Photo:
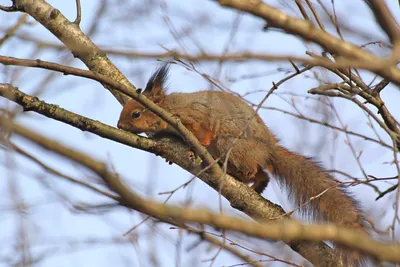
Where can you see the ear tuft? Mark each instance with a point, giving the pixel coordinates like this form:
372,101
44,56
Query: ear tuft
155,87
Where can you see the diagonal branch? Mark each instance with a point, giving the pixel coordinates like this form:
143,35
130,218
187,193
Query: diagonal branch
237,193
286,230
385,19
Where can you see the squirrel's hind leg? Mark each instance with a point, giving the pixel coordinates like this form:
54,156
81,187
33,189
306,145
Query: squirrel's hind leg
261,181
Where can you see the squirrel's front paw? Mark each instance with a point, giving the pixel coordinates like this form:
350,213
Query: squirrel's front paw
191,155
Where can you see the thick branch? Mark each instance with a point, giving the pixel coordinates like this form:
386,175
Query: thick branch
385,19
286,230
238,194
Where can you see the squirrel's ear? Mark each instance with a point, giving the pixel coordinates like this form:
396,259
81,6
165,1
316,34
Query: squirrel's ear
155,88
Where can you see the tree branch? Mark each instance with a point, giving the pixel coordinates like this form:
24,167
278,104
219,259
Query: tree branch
287,230
239,195
385,19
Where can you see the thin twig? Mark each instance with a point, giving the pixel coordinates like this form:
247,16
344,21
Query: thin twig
77,21
8,8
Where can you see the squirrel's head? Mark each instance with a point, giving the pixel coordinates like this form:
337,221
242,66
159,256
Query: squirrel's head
136,118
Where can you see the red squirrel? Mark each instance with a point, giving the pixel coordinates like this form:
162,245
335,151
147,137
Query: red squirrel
222,121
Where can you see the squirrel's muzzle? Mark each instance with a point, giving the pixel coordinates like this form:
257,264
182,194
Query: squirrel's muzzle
121,125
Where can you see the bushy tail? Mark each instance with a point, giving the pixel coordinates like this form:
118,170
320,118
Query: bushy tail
304,179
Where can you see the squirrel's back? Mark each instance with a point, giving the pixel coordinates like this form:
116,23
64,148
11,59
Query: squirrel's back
229,114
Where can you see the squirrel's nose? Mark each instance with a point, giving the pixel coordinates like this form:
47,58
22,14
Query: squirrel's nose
119,125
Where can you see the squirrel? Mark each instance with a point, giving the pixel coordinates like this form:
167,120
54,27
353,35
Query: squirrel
223,122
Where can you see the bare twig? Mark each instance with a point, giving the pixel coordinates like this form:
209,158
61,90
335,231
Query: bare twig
77,21
8,8
10,32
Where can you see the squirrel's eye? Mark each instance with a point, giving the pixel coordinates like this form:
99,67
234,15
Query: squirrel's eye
136,114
